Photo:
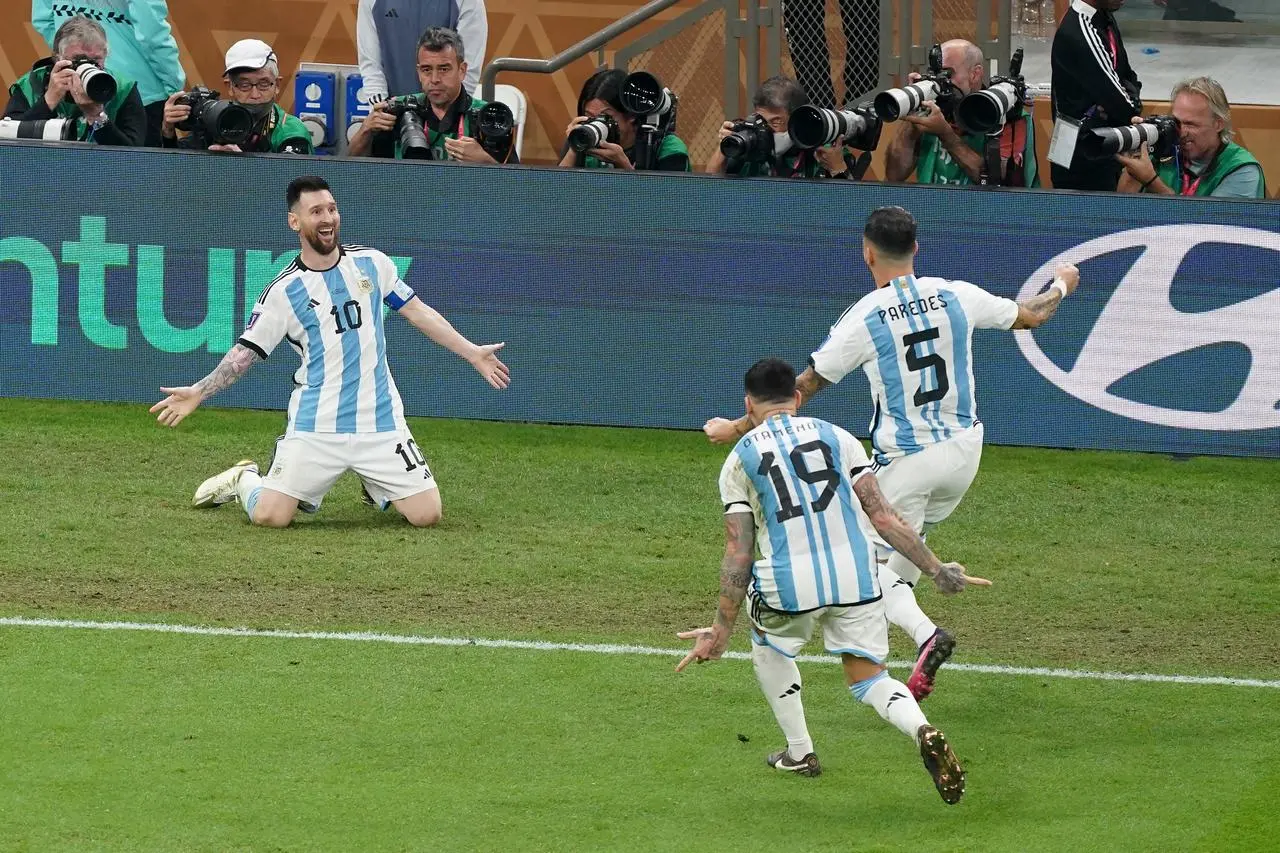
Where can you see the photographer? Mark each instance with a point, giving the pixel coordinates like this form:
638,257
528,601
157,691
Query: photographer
253,82
1093,86
930,145
774,102
446,110
58,88
601,98
1207,160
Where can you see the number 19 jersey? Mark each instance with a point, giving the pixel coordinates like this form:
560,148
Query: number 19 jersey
333,320
795,476
914,340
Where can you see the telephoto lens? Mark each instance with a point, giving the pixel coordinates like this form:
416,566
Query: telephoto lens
986,110
643,95
224,122
413,139
893,104
814,127
45,130
99,85
1158,133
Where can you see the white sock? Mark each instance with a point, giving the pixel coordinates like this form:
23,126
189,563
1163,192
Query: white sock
780,680
892,701
900,602
247,490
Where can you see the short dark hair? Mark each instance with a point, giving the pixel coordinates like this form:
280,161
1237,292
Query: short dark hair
304,184
771,380
605,85
780,93
892,230
436,39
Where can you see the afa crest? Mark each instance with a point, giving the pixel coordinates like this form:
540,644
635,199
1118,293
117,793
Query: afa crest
364,285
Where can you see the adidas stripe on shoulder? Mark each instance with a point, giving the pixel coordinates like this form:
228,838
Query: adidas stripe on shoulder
294,268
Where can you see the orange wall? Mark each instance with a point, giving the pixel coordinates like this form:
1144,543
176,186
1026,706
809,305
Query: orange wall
324,31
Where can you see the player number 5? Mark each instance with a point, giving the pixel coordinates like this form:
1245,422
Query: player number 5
918,363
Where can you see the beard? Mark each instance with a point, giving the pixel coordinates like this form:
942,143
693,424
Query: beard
322,245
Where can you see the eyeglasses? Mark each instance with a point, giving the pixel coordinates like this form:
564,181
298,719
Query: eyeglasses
248,86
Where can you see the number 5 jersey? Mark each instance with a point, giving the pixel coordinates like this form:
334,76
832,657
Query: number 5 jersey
914,340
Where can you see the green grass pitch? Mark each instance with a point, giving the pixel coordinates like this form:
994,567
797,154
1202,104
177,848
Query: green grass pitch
128,741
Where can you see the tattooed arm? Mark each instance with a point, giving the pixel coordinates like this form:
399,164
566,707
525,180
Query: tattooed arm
735,577
950,578
724,431
735,572
183,401
1038,309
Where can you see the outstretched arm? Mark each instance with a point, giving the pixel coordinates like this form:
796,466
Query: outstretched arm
949,577
483,358
735,576
183,401
1038,309
725,431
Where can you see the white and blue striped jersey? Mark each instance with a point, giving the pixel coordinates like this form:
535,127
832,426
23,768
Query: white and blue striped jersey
796,475
914,340
333,319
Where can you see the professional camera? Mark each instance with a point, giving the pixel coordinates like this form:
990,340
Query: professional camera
213,121
98,84
987,111
45,130
1160,133
413,137
643,95
593,133
814,127
934,85
750,142
493,123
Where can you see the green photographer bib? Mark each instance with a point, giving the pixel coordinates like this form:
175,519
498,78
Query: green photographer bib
436,138
670,145
33,84
1231,158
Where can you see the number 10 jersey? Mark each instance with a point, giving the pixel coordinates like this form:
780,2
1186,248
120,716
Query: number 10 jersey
795,476
914,340
333,319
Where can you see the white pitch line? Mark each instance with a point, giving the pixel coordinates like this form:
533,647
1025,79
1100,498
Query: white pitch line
599,649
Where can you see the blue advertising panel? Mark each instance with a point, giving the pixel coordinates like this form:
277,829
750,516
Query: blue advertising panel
641,299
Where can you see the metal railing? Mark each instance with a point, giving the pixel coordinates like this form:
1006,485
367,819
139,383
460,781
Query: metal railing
573,53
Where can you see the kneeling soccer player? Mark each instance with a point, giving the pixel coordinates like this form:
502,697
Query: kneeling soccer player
345,413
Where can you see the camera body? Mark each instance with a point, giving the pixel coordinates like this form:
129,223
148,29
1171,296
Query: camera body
1159,133
97,82
408,111
815,127
493,123
750,142
934,85
593,133
214,121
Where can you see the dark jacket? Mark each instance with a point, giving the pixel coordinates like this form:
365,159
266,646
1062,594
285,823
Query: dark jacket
126,117
1087,80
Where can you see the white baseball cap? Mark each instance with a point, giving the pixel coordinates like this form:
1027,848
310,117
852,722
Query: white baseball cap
249,55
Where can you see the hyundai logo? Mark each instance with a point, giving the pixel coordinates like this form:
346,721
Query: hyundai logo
1139,326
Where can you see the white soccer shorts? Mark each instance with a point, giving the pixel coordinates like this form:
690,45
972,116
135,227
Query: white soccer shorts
861,630
307,464
926,487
